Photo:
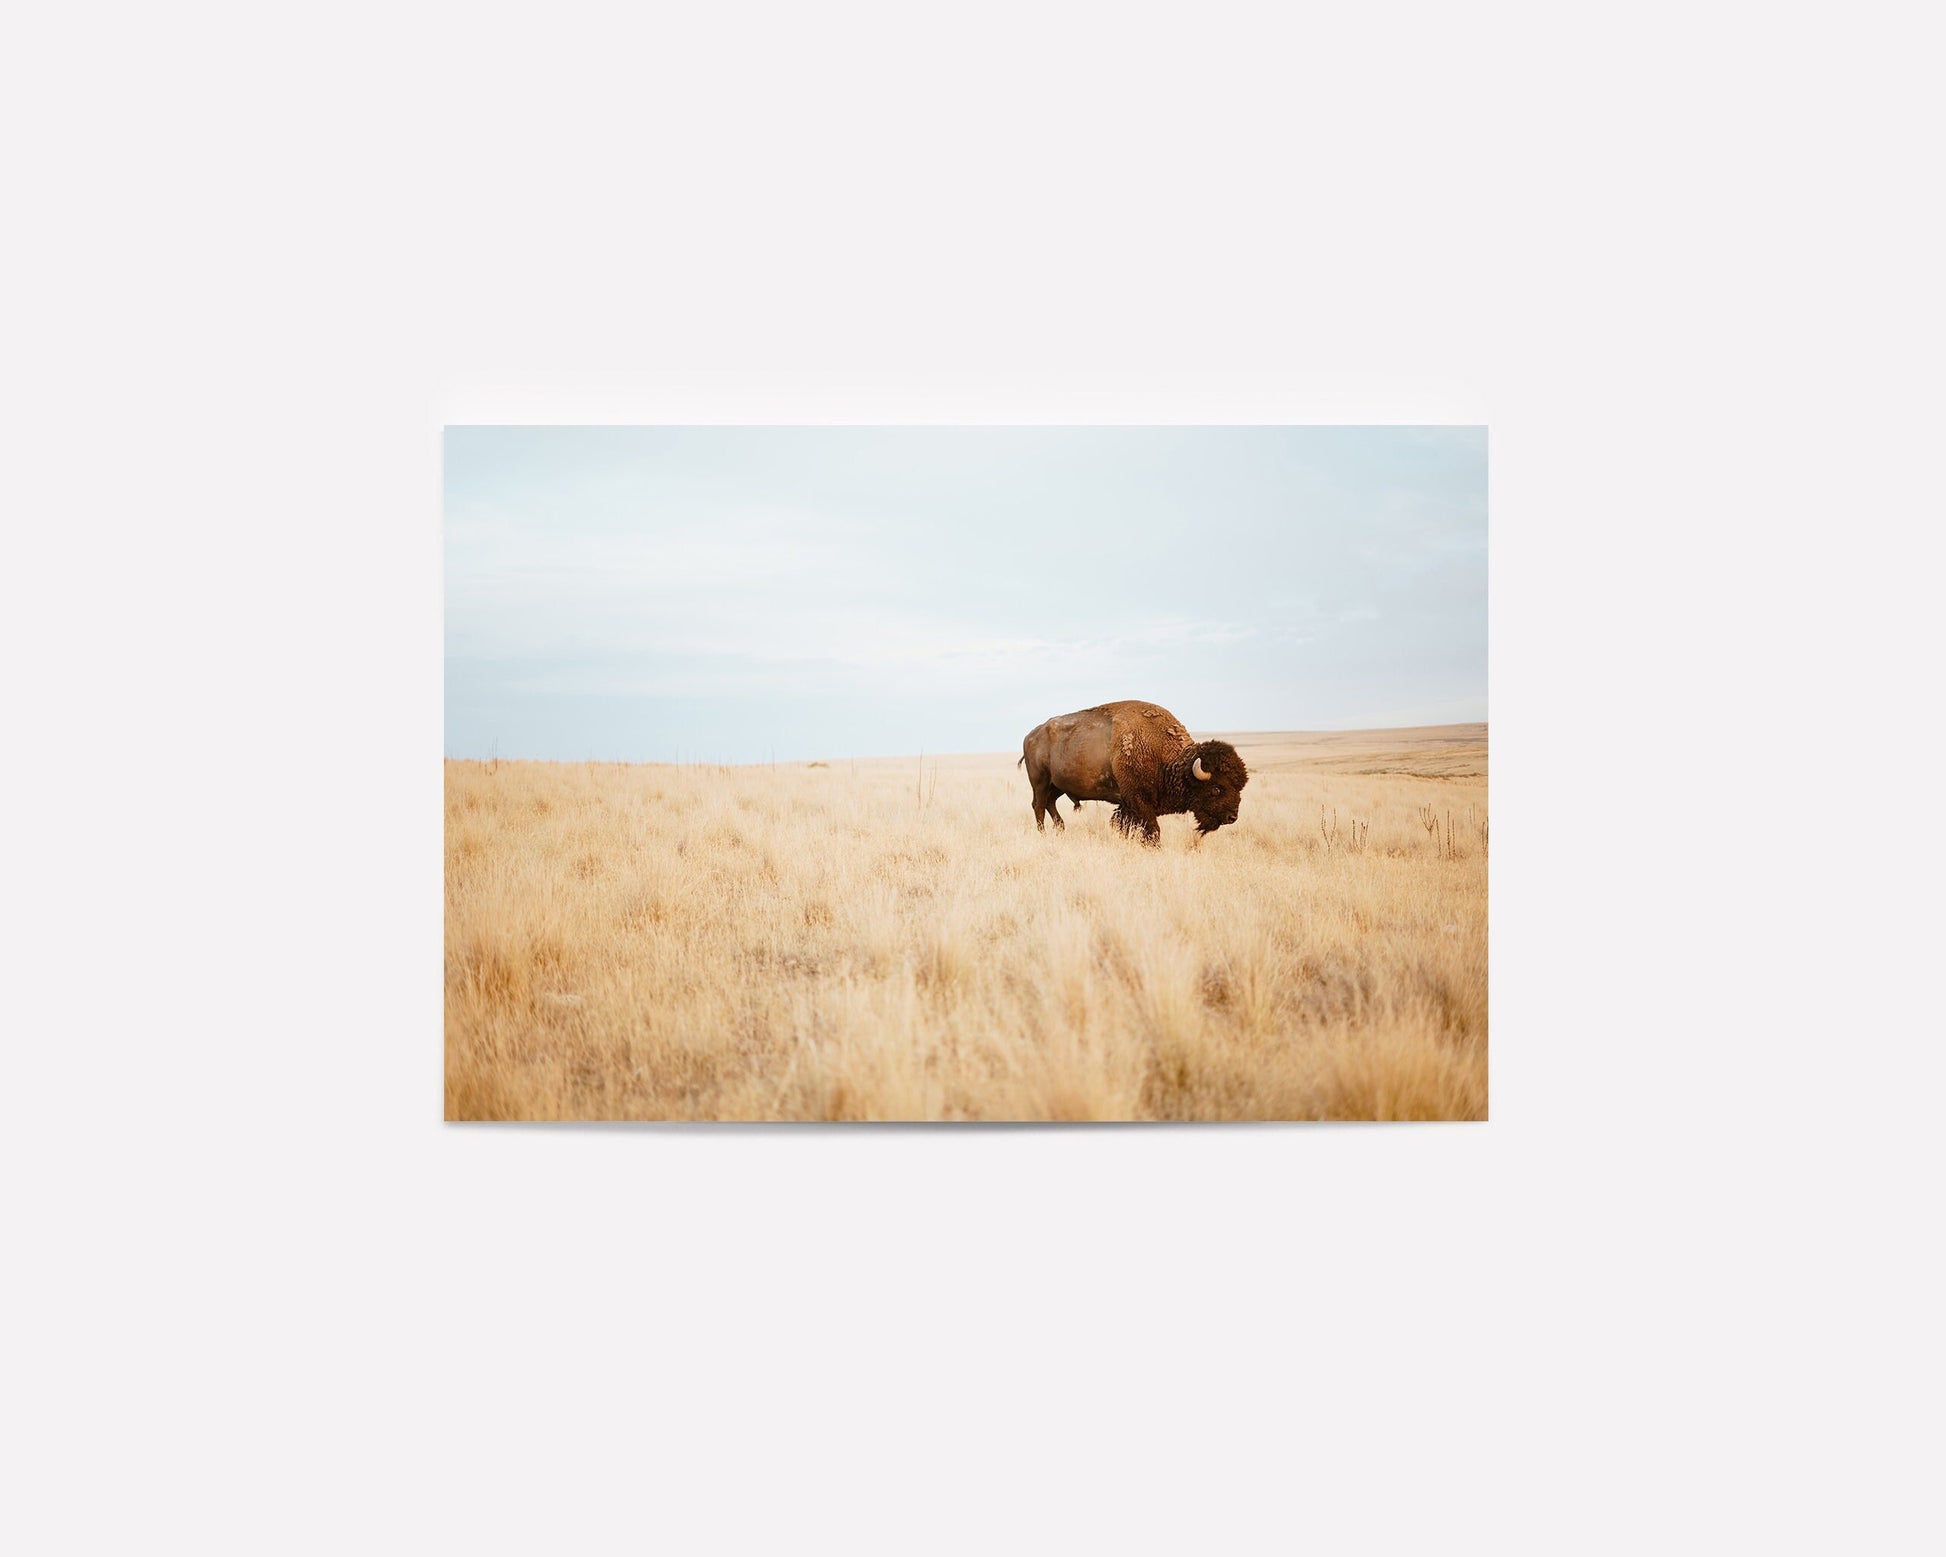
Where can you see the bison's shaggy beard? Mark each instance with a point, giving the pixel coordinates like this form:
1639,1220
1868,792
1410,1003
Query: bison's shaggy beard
1227,776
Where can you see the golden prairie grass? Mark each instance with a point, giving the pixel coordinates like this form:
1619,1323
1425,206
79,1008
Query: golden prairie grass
893,940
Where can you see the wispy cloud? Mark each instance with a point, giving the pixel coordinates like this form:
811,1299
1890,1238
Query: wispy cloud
733,578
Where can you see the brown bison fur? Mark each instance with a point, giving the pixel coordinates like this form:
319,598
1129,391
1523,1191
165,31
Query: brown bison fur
1140,757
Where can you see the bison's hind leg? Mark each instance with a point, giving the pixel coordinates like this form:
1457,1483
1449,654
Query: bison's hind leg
1045,804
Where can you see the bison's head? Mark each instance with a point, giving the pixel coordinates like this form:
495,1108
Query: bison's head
1216,780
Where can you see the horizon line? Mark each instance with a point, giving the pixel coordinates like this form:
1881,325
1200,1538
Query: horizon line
884,756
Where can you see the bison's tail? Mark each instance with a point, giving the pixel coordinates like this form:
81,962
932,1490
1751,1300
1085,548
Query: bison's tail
1023,761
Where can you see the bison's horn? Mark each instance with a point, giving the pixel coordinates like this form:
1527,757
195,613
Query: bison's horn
1201,772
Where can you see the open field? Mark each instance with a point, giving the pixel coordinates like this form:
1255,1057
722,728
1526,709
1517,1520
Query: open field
891,939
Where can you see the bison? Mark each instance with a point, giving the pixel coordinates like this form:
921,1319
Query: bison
1140,757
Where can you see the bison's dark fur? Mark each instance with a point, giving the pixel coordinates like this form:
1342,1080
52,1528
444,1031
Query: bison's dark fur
1140,757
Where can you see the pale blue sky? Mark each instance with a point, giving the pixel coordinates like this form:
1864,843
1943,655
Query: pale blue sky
748,593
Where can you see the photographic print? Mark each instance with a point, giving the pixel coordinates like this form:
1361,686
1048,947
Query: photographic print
966,773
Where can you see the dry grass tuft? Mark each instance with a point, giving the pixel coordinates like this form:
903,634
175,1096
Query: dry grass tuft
895,941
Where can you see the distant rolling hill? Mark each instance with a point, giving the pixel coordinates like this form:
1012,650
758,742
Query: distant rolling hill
1425,751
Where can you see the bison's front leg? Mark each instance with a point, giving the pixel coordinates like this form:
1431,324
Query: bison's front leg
1134,783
